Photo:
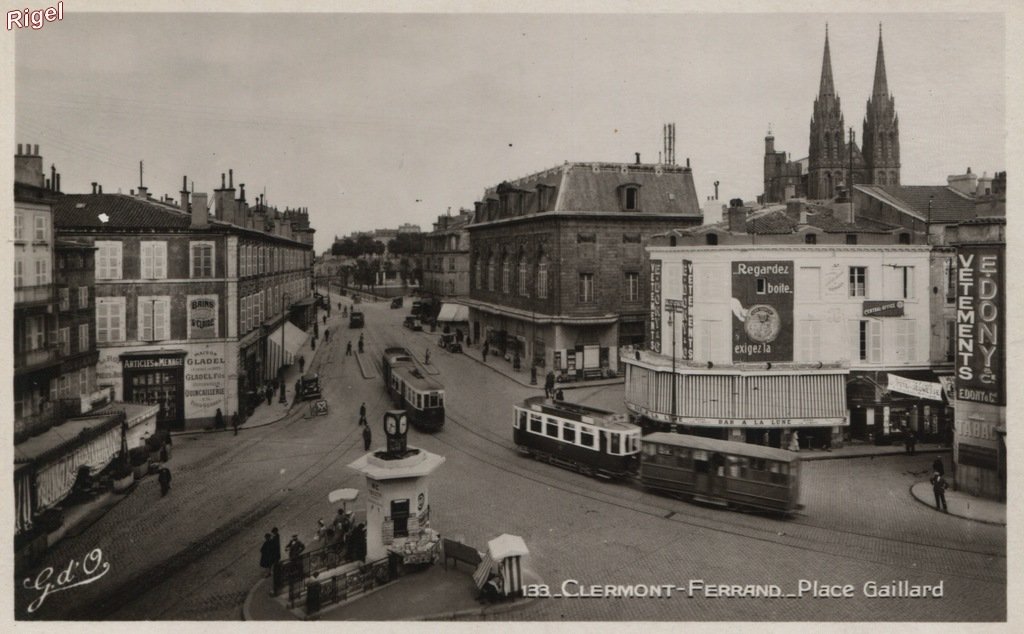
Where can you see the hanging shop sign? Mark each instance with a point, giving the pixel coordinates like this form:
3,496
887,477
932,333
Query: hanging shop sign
920,389
762,307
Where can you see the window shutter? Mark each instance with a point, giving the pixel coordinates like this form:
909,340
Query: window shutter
874,342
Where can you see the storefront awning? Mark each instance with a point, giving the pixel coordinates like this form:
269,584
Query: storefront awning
293,337
453,312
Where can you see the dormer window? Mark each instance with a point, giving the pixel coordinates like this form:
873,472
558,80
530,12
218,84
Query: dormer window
629,197
904,238
711,239
811,238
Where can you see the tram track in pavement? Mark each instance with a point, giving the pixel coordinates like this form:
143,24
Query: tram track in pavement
778,533
153,576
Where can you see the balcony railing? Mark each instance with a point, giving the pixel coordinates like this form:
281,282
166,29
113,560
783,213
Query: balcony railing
28,359
41,294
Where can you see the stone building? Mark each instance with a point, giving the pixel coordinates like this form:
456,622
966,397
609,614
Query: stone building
557,274
446,256
792,319
192,311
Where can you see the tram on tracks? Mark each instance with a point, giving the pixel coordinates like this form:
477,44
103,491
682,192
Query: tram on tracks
723,472
420,396
590,440
598,442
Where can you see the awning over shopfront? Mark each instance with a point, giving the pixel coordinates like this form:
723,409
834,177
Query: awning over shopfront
731,399
58,453
453,312
140,418
294,337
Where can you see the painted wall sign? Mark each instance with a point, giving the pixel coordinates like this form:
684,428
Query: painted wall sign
204,382
202,316
697,421
655,317
686,318
980,325
152,363
883,308
762,307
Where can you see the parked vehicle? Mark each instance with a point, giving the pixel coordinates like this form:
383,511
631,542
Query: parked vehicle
309,387
396,302
412,323
355,319
449,343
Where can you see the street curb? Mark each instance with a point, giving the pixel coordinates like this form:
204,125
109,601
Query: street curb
246,615
362,370
931,506
833,456
561,386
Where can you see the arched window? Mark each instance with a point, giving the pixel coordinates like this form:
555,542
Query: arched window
521,281
711,238
672,241
881,178
542,276
894,178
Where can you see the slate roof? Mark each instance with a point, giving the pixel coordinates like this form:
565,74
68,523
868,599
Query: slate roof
775,221
670,192
122,211
948,205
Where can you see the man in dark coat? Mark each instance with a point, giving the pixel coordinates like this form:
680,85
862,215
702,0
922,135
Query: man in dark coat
360,344
270,394
218,420
327,335
267,554
275,537
549,384
367,437
234,422
939,487
295,548
164,478
938,468
362,412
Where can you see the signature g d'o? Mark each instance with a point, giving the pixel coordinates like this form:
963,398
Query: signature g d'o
91,568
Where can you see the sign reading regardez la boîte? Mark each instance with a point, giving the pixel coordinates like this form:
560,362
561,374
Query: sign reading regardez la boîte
762,308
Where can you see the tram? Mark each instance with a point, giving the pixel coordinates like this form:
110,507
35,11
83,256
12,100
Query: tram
421,396
590,440
727,473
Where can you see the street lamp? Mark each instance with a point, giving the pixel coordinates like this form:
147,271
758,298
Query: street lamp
284,321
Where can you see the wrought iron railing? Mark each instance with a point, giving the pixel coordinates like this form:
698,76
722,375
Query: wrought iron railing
341,587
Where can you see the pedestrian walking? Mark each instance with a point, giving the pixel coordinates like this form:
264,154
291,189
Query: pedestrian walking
164,478
302,364
270,393
275,537
218,420
549,384
327,335
362,412
360,344
325,320
348,349
426,356
911,442
267,554
234,422
484,351
939,487
938,467
367,437
295,548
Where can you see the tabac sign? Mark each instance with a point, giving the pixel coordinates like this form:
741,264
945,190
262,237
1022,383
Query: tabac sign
980,325
762,308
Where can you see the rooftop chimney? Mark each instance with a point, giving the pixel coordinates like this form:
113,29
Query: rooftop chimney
637,157
28,167
963,183
231,179
184,194
94,187
200,212
737,219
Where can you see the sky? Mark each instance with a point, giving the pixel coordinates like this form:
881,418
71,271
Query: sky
373,120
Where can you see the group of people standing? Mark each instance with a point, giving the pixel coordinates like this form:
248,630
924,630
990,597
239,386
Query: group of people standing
270,551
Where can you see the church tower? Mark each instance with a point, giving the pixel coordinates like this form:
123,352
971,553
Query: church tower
881,135
827,160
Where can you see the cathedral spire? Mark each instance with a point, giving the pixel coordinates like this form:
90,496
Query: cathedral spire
881,88
826,88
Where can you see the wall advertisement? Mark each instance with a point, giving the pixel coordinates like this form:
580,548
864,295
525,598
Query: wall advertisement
205,379
980,325
762,308
202,316
655,318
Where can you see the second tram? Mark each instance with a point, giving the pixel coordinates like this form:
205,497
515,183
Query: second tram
421,396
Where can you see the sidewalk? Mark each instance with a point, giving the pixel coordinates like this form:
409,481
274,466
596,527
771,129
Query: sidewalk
962,504
431,594
859,450
265,414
